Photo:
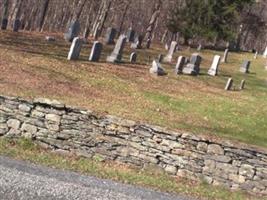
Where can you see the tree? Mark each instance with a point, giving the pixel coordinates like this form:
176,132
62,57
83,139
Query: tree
152,23
208,19
43,14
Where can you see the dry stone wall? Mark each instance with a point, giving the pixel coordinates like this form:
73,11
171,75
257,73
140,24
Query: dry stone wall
68,129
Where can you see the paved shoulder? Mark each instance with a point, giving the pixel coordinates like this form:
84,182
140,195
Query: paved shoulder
23,181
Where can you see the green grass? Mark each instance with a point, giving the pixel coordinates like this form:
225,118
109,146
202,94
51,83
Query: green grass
149,177
31,67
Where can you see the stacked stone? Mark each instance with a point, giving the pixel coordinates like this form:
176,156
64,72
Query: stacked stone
71,130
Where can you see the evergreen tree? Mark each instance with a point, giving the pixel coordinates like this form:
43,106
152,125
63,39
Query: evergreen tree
210,19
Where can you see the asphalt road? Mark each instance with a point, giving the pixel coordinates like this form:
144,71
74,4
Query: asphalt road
23,181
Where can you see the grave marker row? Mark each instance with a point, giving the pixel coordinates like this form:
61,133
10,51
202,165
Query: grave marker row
97,47
230,83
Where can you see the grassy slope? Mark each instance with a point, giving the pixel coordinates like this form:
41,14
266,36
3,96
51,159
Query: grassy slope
30,67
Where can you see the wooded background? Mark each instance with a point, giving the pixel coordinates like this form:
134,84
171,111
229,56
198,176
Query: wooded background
161,20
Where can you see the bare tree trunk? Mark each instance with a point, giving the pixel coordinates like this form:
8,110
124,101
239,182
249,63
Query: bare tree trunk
104,17
43,14
96,20
152,23
164,36
5,9
101,18
88,23
79,9
128,3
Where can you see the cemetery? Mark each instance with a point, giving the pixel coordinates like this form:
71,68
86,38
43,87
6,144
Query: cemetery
112,88
192,110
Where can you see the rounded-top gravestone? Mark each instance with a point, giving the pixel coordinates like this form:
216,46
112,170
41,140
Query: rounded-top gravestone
133,57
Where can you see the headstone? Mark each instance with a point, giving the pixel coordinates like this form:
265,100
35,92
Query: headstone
193,67
130,35
96,52
245,66
50,38
138,42
73,31
229,84
116,55
4,24
148,43
256,55
156,69
199,47
172,49
75,49
166,47
225,56
16,25
160,58
180,65
242,85
265,53
110,36
133,57
213,71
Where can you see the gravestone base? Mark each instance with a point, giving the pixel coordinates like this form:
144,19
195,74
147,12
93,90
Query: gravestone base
190,69
114,58
212,72
168,59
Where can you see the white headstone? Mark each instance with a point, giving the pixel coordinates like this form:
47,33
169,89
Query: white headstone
229,84
166,47
225,56
245,66
75,49
242,84
265,53
156,69
213,71
256,55
96,52
133,57
116,55
199,47
180,65
193,67
172,49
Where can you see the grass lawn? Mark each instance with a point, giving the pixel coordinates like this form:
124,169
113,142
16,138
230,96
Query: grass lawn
148,177
31,67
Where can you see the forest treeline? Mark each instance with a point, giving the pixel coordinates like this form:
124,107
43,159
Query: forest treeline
241,23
